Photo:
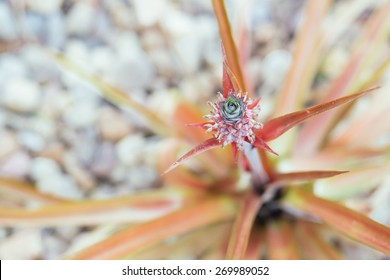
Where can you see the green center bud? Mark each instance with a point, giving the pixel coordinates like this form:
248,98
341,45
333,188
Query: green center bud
232,109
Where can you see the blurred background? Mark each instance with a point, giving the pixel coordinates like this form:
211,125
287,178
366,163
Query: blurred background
57,132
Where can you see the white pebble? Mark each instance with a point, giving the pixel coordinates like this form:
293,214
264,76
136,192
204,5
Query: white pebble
59,185
17,165
8,27
15,66
22,245
112,125
8,143
44,7
21,95
130,149
44,167
148,12
80,20
31,140
104,160
80,114
43,126
141,177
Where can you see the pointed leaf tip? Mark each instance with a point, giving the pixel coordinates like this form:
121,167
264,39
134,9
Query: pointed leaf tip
278,126
254,103
259,143
227,84
307,175
203,147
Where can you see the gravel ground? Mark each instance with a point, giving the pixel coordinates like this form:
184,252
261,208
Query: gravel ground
58,133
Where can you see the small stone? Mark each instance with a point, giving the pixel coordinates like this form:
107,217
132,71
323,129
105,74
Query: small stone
53,151
44,7
81,115
78,172
130,73
8,143
55,30
45,127
80,20
147,16
141,177
54,247
41,66
59,185
130,149
163,62
21,95
186,40
77,52
44,167
55,103
112,125
104,160
152,40
24,244
101,59
16,165
8,26
68,232
13,67
31,140
118,174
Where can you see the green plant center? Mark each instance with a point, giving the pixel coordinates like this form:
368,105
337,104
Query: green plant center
232,109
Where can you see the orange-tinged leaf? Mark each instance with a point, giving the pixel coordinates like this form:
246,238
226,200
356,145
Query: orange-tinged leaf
280,241
205,239
242,226
311,244
228,43
349,222
141,237
184,115
227,85
255,244
305,175
305,57
260,143
203,147
276,127
135,208
25,191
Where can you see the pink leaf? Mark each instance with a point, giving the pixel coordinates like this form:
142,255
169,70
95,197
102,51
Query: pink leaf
199,124
254,103
203,147
276,127
259,143
227,85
